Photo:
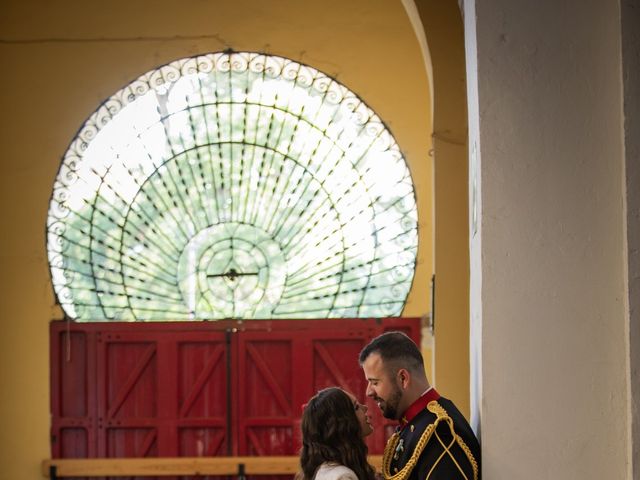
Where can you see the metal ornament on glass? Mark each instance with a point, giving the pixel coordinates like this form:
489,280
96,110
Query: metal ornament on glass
232,185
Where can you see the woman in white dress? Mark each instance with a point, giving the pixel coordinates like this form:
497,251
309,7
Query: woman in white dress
334,425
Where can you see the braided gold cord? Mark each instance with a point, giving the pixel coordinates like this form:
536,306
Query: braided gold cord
467,452
441,414
393,442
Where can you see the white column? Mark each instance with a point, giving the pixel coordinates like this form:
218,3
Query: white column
548,282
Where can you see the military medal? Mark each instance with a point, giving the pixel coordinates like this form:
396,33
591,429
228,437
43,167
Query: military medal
399,449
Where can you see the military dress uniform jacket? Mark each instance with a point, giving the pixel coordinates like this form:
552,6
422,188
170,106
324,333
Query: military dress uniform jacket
436,443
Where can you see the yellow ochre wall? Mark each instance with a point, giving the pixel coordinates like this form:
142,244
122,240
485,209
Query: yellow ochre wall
442,22
61,59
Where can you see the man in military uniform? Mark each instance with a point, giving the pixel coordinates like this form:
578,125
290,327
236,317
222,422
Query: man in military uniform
433,440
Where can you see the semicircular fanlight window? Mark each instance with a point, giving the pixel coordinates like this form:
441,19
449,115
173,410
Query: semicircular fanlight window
232,185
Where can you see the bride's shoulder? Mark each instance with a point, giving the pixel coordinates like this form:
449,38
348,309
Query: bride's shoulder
334,471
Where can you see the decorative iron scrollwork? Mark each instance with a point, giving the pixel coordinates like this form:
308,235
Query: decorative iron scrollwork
232,185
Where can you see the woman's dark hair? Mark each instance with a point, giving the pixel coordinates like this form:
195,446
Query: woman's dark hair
331,432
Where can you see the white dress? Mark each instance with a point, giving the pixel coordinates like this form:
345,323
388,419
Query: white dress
334,471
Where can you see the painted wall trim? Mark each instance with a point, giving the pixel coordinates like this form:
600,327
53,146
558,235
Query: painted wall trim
630,19
418,28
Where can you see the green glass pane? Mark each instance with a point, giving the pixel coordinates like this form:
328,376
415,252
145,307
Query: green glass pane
232,185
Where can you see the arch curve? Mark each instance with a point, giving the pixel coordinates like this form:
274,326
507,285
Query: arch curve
232,185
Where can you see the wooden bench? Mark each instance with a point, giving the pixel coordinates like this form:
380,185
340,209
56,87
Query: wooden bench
185,466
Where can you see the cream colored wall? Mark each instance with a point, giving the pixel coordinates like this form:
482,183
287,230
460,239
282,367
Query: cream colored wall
61,59
548,299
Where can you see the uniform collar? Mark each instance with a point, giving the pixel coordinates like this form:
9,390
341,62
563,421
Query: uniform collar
420,404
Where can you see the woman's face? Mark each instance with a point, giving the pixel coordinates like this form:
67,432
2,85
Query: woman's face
361,414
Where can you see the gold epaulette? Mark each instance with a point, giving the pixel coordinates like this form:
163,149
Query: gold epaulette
441,415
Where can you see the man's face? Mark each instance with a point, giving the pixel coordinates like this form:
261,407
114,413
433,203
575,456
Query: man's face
382,387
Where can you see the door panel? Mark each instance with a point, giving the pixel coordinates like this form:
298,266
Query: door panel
127,386
266,393
73,414
202,389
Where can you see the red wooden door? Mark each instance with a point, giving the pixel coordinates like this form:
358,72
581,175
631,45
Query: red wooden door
129,402
202,394
282,364
266,379
132,390
73,409
161,393
201,388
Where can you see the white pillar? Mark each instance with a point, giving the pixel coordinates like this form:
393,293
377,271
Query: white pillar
549,285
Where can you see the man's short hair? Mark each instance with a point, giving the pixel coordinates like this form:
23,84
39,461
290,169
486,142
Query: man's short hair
396,350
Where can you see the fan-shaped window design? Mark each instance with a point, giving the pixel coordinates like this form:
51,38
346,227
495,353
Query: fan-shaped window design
232,185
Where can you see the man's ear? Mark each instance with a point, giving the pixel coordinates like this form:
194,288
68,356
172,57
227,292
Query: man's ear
404,377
